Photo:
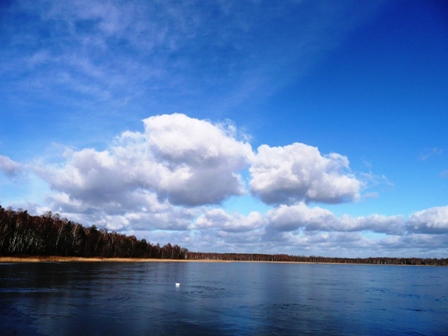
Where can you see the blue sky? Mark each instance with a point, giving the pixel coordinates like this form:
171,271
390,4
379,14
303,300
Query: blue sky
300,127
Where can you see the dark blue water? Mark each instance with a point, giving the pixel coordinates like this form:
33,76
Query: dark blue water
222,299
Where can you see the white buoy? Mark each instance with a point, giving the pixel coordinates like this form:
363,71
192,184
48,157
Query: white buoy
177,284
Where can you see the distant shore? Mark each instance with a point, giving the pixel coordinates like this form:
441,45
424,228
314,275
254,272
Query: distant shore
46,259
38,259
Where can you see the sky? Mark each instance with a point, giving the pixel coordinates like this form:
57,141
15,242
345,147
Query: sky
253,126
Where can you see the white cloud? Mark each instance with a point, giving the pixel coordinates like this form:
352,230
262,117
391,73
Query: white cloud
8,166
300,216
433,220
218,218
151,180
291,218
414,245
200,160
354,244
137,210
186,161
299,172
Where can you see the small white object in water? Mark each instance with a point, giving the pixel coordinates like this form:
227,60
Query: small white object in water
177,284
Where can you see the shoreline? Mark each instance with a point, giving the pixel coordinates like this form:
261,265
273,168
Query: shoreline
59,259
37,259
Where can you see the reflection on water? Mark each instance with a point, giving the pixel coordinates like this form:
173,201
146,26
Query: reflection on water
221,299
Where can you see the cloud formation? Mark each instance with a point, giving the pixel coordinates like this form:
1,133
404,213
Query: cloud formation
433,220
199,162
187,161
192,162
299,229
218,218
9,167
300,216
169,180
299,172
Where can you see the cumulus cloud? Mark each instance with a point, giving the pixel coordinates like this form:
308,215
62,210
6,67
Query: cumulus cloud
136,210
179,162
417,244
354,244
433,220
187,161
291,218
300,216
296,217
218,218
200,160
9,167
299,172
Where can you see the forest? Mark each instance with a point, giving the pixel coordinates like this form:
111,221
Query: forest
22,234
317,259
50,235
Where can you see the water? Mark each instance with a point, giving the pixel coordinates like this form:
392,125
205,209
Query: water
222,299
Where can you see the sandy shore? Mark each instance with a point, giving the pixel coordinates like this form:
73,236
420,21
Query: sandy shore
78,259
35,259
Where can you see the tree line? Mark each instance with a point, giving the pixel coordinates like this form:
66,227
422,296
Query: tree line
316,259
51,235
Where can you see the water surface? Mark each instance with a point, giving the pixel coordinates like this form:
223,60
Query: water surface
221,299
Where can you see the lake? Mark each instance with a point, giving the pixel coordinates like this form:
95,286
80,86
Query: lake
236,298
